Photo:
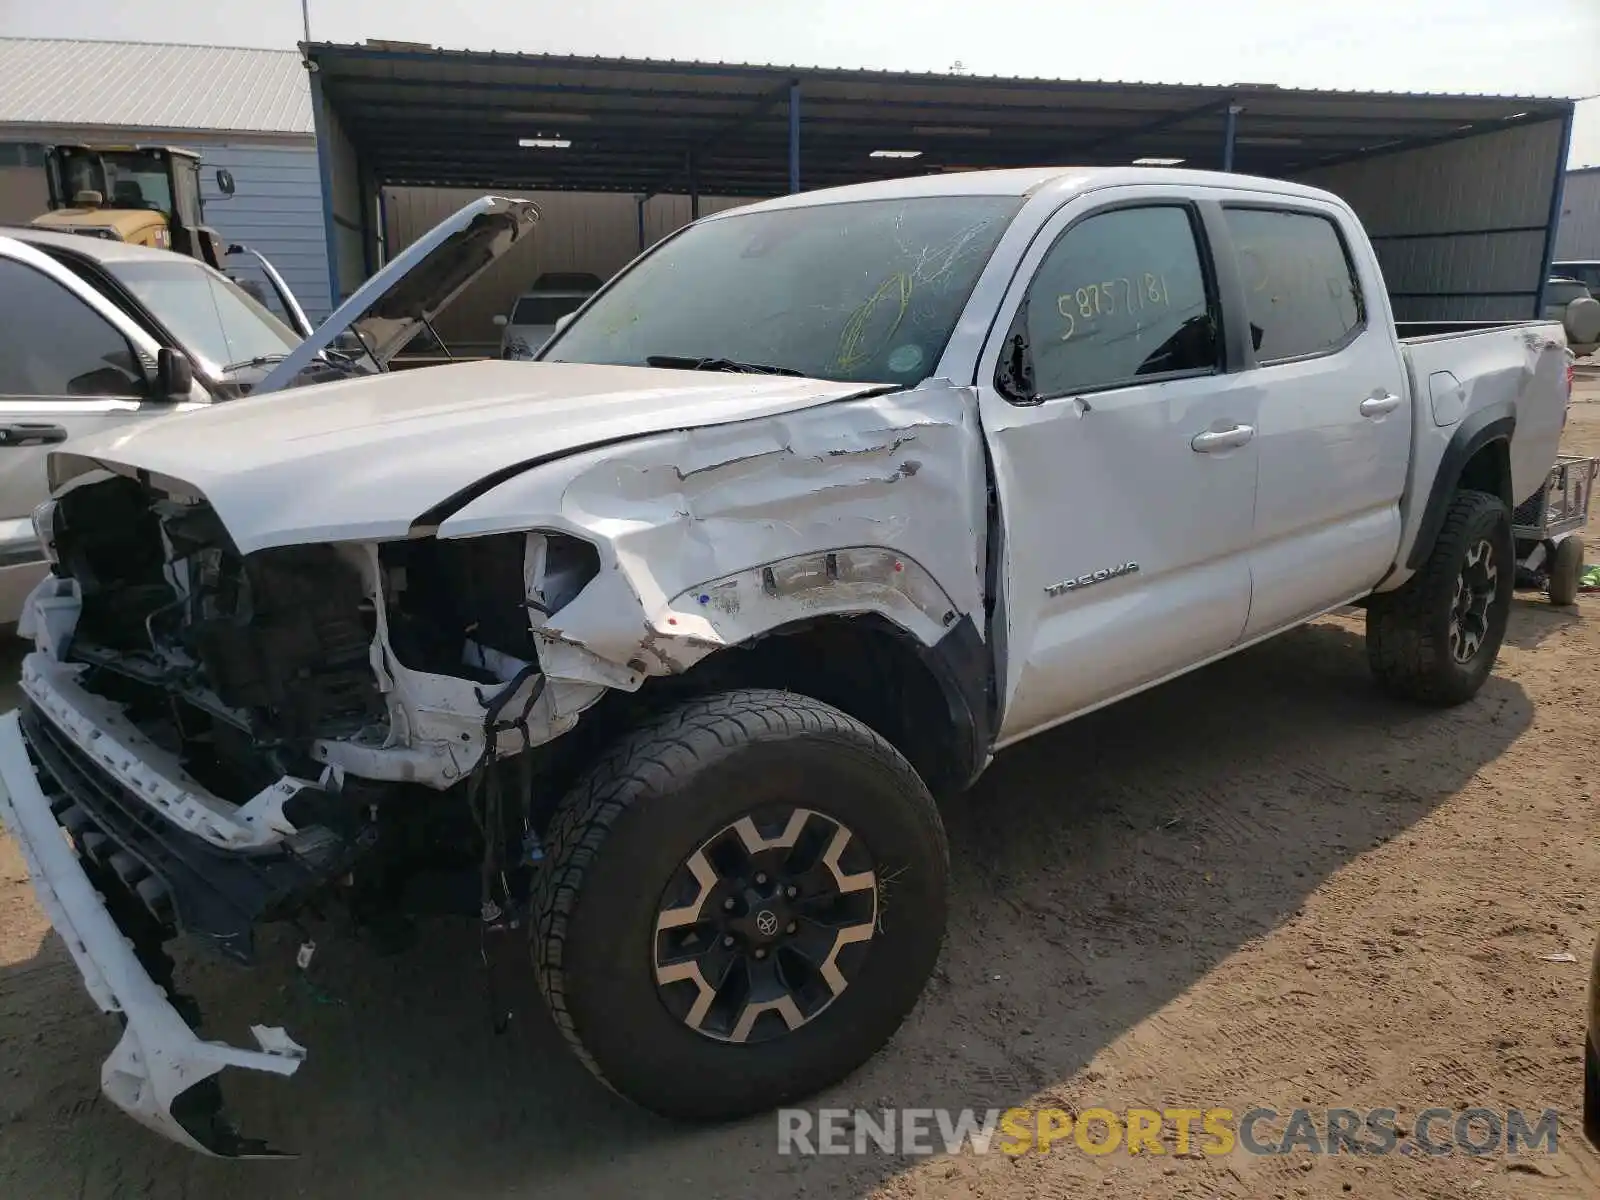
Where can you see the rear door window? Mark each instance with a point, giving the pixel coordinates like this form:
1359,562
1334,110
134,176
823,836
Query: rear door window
1301,291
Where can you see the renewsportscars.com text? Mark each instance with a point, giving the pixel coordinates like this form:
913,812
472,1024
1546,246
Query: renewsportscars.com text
1180,1131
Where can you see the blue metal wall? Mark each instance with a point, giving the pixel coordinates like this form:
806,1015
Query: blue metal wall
276,208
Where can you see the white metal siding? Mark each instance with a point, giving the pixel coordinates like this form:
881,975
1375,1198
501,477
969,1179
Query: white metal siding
1578,235
577,231
1459,227
276,208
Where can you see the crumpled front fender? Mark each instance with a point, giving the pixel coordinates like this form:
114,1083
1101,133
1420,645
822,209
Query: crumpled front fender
711,536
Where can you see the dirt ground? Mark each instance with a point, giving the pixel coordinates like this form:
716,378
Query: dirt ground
1260,885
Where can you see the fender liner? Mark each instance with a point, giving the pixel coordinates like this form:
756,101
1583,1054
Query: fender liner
963,667
1477,430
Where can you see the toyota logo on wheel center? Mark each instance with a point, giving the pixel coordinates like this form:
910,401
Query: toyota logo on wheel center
767,922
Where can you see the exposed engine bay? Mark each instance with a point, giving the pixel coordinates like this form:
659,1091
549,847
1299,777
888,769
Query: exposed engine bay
249,675
233,665
242,665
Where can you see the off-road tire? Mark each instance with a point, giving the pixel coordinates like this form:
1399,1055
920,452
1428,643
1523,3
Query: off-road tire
1566,570
1408,630
651,800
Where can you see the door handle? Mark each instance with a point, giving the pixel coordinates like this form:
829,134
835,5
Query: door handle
1214,440
31,435
1376,406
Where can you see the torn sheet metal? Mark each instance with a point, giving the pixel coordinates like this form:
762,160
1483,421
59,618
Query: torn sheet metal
672,514
707,537
435,732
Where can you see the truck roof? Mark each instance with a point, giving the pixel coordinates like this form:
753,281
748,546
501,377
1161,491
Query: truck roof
99,249
1029,181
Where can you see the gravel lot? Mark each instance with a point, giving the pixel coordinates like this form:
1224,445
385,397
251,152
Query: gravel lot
1260,885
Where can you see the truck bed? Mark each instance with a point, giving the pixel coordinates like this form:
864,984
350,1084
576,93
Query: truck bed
1421,331
1468,373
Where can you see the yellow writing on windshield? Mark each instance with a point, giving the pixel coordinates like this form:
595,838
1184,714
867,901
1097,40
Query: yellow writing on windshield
853,349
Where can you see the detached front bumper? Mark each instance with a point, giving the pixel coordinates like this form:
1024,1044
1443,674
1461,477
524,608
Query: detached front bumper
160,1073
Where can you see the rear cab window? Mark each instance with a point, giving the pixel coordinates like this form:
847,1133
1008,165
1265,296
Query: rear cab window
1302,295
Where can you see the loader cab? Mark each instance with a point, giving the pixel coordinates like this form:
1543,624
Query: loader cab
144,195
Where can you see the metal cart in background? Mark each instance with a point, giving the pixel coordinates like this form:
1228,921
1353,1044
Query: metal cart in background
1548,529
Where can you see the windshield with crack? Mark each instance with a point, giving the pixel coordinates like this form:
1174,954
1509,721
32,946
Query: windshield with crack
217,321
857,292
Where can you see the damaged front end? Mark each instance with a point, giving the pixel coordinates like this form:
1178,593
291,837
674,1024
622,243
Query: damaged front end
236,739
268,697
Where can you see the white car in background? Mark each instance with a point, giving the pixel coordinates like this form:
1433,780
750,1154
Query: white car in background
1569,297
539,311
100,334
1585,270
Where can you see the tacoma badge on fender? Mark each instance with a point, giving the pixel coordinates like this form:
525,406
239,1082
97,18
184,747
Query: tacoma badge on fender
1089,580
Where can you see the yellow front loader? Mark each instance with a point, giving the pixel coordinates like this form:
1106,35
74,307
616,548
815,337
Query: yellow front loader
145,195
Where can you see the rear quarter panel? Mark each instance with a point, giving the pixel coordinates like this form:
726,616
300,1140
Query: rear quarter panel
1518,369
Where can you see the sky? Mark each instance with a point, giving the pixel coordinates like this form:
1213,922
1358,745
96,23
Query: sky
1524,47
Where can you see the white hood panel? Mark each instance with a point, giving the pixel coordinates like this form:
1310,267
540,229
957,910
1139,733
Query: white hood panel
361,459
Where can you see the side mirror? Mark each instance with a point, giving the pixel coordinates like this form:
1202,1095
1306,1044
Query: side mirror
501,320
225,182
174,374
564,320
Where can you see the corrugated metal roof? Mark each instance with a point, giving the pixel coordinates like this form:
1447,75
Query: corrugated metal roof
396,51
148,85
417,115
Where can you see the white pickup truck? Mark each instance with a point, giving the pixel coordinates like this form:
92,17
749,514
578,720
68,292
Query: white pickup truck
668,640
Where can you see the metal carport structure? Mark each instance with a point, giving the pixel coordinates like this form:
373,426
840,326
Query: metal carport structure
1460,192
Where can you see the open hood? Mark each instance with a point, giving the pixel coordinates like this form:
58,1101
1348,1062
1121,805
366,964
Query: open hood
298,320
390,309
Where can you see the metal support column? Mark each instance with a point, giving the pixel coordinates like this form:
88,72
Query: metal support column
794,136
1557,194
383,228
1228,136
368,237
330,230
694,187
642,200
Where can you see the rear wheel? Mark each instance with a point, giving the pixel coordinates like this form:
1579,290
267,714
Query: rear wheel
1435,639
1566,570
743,901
